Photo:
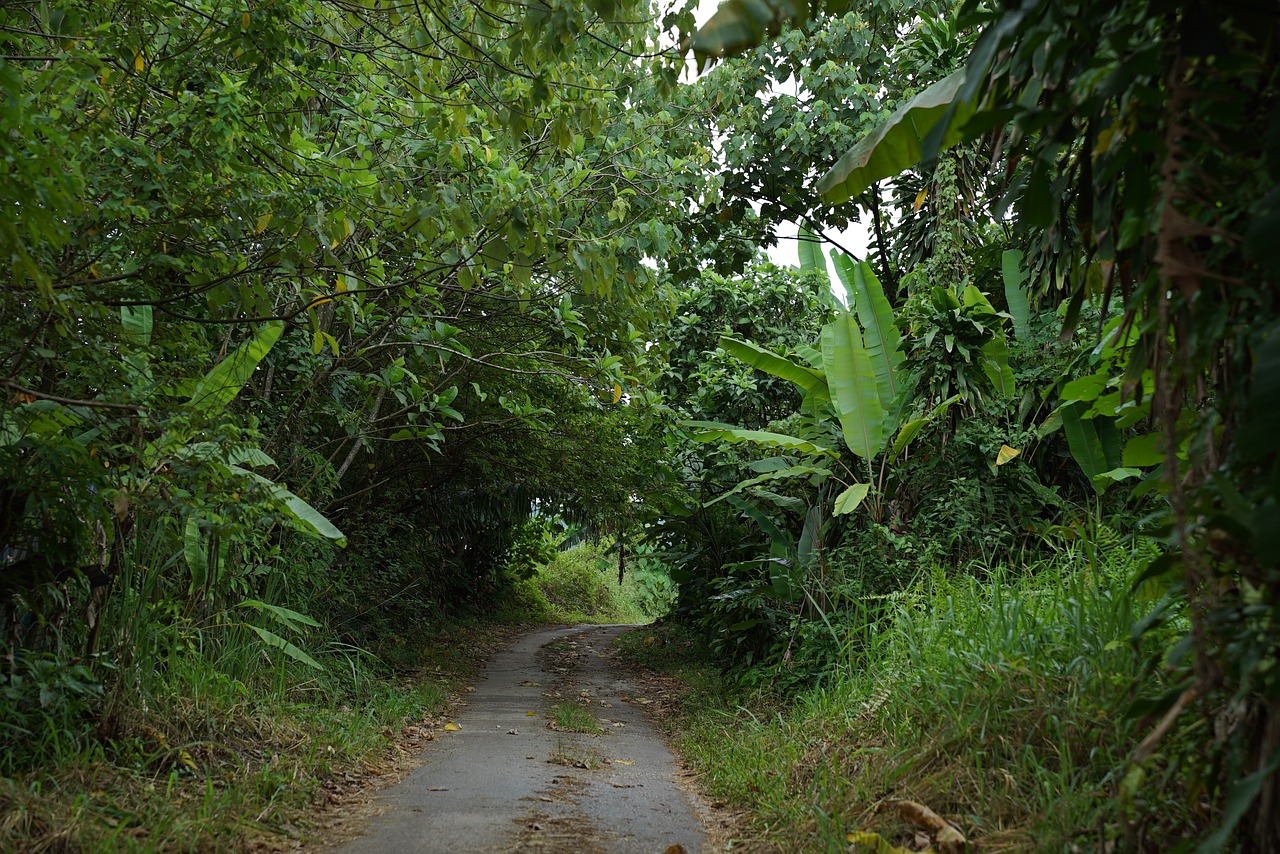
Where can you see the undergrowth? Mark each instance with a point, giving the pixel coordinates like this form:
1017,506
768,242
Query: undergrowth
213,743
1008,702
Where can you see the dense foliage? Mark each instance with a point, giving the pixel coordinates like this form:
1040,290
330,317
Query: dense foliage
323,321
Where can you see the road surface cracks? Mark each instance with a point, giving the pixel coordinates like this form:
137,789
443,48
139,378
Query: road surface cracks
507,782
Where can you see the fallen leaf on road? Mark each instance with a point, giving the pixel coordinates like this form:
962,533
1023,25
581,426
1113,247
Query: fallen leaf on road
452,727
529,684
438,789
625,761
530,714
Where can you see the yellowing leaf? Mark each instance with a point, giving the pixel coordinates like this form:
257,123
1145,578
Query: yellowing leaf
106,75
920,197
244,21
452,727
530,714
139,61
263,221
877,843
1006,454
617,392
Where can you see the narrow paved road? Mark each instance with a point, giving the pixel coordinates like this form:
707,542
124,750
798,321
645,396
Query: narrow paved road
506,782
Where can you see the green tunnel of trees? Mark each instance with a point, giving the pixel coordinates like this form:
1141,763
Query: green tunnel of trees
315,313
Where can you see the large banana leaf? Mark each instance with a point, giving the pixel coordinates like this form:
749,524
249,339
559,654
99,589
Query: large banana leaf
896,145
309,517
195,551
995,364
880,333
851,377
712,432
809,248
809,380
780,474
912,428
136,322
780,541
848,501
1014,295
221,385
1086,447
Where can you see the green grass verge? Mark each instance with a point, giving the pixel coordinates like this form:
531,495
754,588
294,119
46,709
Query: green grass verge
1002,704
196,759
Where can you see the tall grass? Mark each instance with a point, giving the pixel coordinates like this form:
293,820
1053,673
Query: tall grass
998,698
188,732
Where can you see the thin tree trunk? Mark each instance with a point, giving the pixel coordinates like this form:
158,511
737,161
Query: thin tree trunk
355,448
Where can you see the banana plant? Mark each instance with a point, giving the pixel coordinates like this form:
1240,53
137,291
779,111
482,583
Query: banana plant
855,377
211,396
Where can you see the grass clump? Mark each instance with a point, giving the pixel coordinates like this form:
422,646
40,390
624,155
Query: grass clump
1001,703
574,717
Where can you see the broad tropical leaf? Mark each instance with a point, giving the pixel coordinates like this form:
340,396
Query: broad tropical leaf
848,501
780,474
809,248
739,25
288,617
995,364
780,540
272,639
1006,454
896,145
912,428
809,545
1085,447
880,332
809,380
195,552
1143,451
733,435
221,385
136,321
1014,295
852,381
308,517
